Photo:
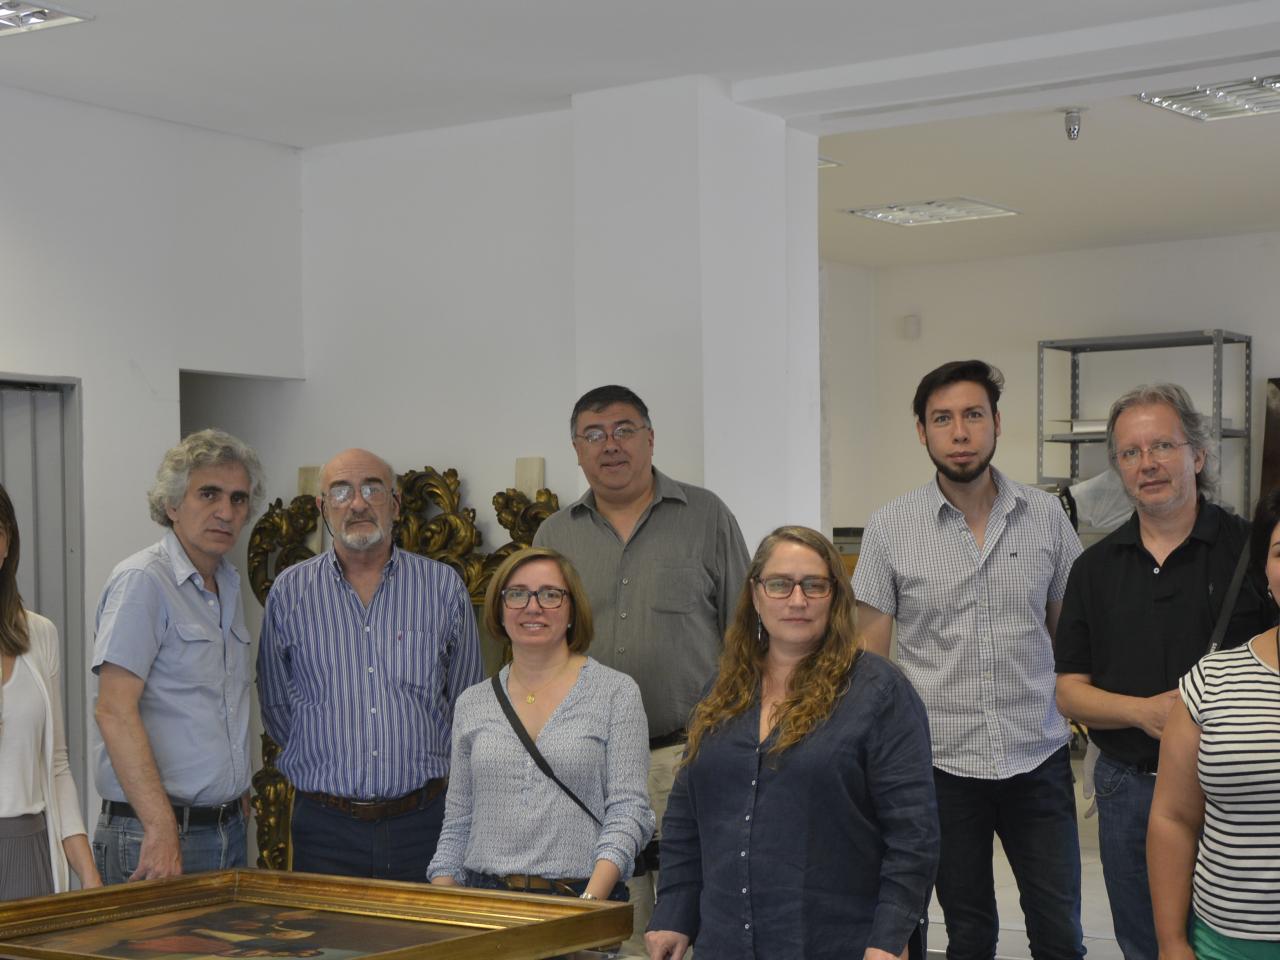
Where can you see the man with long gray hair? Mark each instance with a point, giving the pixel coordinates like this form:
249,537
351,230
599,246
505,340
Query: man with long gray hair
1142,606
171,652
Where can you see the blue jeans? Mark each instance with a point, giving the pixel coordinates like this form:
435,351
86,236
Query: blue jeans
1034,814
1124,803
326,840
117,842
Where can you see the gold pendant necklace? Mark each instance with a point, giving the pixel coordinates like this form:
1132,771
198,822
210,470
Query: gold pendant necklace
530,694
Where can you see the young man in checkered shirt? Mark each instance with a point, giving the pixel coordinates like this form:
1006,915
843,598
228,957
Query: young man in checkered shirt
973,567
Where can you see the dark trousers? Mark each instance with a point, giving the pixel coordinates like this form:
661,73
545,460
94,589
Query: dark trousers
1034,815
395,848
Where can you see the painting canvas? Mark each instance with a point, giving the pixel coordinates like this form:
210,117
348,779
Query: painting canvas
262,913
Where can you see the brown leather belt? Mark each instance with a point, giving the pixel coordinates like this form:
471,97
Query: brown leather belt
369,810
526,883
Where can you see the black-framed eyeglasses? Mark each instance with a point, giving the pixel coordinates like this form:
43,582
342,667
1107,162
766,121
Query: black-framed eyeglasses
780,588
1161,451
621,433
517,598
373,493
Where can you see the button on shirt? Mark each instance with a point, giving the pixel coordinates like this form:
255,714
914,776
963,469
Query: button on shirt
818,852
157,620
361,699
660,601
1135,627
971,623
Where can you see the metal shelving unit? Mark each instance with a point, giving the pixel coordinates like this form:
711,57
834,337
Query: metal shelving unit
1216,339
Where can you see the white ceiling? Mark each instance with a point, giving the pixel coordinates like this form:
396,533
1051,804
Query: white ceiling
1137,174
310,72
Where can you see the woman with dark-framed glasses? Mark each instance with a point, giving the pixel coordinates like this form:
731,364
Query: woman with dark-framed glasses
803,821
550,761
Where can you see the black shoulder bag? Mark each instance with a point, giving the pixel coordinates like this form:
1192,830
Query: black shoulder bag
1229,601
541,761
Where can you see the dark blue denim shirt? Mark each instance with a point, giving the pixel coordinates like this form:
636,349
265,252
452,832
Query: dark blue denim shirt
820,852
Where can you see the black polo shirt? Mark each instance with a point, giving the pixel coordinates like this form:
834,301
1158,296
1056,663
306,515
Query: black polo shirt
1136,627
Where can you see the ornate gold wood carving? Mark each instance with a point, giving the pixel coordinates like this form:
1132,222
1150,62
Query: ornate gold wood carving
433,522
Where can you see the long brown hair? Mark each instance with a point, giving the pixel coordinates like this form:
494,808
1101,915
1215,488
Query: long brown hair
817,682
14,640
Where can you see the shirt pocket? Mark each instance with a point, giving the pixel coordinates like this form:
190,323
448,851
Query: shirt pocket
681,588
409,660
197,657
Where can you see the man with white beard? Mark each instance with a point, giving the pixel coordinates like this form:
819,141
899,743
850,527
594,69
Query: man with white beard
364,652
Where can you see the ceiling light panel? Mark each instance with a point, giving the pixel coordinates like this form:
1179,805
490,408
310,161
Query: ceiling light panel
17,17
933,211
1254,97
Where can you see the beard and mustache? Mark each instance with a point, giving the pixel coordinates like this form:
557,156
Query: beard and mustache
970,471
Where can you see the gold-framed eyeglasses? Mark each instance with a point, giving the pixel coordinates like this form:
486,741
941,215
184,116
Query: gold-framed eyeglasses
1161,451
517,598
780,588
374,494
620,434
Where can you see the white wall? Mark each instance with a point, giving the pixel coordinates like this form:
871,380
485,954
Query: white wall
999,309
133,248
438,313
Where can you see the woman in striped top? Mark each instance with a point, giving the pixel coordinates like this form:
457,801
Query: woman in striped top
1213,842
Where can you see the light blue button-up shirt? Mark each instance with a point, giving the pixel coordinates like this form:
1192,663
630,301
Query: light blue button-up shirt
158,620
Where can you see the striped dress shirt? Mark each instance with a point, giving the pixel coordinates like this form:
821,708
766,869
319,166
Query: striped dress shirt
972,637
361,699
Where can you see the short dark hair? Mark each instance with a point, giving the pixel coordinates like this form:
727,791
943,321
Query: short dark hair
1265,517
606,396
959,371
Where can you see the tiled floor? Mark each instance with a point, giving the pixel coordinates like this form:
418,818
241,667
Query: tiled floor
1095,913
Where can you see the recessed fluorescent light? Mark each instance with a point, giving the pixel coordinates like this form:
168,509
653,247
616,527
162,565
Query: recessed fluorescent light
1254,97
18,17
824,162
933,211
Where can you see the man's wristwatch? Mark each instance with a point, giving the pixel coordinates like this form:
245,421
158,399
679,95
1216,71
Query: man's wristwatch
587,896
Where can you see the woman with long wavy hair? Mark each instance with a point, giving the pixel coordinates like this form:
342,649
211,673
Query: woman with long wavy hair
803,821
40,824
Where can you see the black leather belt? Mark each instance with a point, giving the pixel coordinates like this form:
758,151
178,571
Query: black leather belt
186,816
369,810
669,739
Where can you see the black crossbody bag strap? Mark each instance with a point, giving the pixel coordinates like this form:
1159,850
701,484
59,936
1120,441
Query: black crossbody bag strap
1229,601
534,752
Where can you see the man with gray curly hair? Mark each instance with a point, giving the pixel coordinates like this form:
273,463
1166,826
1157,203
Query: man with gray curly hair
172,656
1141,607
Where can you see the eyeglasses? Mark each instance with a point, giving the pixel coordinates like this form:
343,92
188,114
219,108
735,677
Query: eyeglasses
621,434
781,588
1161,451
343,493
517,598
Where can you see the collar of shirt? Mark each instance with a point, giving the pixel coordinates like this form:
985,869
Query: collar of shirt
1008,495
1205,529
664,488
184,570
335,565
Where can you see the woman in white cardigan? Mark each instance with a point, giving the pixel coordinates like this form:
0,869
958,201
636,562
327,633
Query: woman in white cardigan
41,830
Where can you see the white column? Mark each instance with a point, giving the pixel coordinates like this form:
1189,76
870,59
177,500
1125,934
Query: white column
696,284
